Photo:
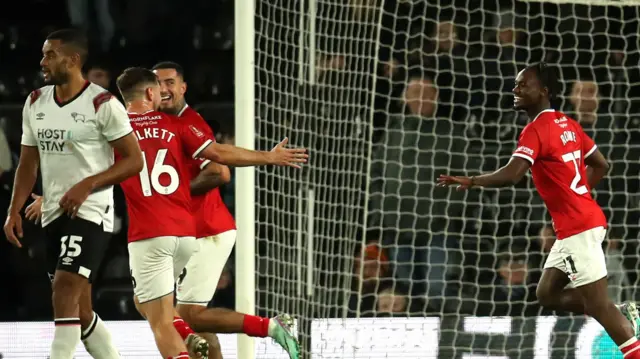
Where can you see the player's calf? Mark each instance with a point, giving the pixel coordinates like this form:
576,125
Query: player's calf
159,313
220,320
97,340
601,308
95,335
67,288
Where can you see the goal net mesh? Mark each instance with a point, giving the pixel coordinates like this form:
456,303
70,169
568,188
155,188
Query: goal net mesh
360,245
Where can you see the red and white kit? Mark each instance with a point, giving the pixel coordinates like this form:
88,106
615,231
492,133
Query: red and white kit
557,147
215,230
161,226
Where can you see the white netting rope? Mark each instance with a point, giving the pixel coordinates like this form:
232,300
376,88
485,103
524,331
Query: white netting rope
389,94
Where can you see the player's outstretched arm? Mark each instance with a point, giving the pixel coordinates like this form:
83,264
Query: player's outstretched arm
240,157
597,168
25,179
129,164
213,175
508,175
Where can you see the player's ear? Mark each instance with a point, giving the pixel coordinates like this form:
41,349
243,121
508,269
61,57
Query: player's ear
76,59
545,92
148,94
183,87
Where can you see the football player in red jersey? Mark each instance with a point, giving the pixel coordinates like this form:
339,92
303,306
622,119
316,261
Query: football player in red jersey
160,249
565,165
216,231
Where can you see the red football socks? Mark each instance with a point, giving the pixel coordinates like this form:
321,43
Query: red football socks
631,349
183,355
254,326
182,327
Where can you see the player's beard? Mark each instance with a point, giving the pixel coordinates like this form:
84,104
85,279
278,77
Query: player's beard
174,108
59,78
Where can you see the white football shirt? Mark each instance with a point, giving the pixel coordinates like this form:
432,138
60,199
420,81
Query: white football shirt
73,142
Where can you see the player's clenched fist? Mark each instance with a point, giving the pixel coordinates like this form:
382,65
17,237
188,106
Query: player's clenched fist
462,182
13,229
281,156
75,197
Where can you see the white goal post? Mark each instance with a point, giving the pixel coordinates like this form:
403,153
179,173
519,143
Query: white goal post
359,245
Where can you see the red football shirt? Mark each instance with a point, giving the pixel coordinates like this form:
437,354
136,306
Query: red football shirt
556,146
212,215
159,198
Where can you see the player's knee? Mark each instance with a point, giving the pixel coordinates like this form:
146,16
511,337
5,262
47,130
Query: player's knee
544,295
136,302
189,313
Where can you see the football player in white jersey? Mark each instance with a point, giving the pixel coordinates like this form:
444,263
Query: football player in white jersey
71,128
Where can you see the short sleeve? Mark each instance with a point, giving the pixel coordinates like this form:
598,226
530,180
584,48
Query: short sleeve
28,138
199,123
194,140
529,145
588,146
113,120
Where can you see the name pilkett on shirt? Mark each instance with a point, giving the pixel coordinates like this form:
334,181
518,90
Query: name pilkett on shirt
54,140
154,133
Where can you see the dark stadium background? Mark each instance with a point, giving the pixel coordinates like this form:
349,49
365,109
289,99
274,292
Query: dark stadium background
597,43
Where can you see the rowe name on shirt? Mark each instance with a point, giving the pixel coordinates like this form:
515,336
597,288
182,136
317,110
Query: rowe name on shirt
567,136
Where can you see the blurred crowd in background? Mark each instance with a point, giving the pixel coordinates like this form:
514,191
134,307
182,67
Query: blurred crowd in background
427,84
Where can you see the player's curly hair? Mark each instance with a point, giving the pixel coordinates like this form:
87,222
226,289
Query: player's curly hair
547,76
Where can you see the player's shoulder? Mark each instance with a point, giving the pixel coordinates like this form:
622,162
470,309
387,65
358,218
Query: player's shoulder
40,94
551,117
188,113
98,95
557,121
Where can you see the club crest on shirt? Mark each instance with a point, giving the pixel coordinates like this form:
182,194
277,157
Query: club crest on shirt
78,117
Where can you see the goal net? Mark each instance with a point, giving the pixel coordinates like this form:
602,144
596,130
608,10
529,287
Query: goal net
360,246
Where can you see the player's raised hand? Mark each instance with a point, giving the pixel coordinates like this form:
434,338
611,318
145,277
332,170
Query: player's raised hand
75,197
282,156
462,182
34,210
13,229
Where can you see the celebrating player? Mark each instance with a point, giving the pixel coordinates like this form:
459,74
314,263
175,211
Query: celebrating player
70,128
159,249
565,165
216,231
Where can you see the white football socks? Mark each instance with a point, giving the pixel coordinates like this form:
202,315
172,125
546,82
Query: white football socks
65,338
97,340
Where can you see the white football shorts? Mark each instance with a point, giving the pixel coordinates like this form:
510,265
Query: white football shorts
197,283
580,256
156,264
